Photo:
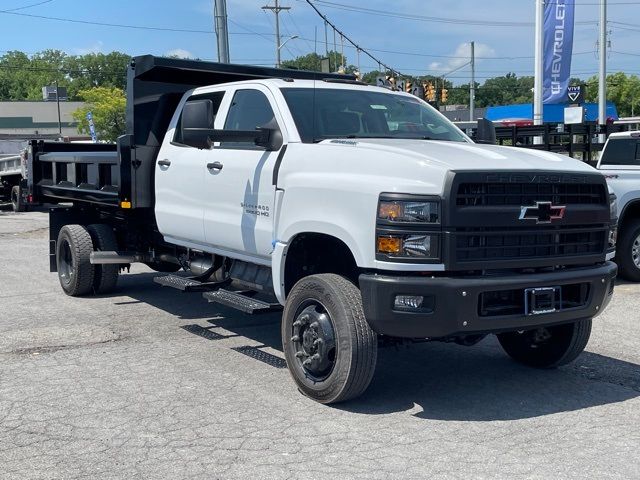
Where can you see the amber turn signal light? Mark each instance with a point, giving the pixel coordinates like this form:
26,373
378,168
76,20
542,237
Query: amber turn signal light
390,210
389,245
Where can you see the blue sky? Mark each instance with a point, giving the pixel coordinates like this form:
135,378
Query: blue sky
426,44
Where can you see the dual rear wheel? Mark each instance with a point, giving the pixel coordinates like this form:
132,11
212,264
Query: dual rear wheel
76,273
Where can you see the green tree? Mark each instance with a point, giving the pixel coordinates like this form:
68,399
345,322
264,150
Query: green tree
313,62
22,77
107,105
97,70
622,89
505,90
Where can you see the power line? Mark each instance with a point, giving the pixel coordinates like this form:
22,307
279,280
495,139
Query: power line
251,32
27,6
104,24
425,18
359,49
299,30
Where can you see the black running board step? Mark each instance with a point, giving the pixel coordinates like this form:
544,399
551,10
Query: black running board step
241,302
186,284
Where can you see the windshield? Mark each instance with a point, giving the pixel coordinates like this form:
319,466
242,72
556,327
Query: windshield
340,113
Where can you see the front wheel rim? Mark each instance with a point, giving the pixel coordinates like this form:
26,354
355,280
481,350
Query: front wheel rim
314,340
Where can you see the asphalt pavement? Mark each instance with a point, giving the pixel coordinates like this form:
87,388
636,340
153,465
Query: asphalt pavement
152,383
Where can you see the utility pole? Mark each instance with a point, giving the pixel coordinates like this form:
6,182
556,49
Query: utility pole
602,84
222,34
276,9
472,89
326,41
58,104
538,83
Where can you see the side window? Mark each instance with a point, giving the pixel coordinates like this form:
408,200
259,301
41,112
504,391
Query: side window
216,99
622,151
249,110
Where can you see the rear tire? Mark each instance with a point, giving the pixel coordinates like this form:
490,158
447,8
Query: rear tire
628,251
75,271
105,277
16,199
329,347
547,347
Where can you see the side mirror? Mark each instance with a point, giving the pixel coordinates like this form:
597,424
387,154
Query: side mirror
486,132
272,136
197,123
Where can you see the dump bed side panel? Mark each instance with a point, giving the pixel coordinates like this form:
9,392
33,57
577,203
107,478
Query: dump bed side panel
75,172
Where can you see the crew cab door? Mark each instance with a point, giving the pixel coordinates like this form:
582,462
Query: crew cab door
180,189
239,188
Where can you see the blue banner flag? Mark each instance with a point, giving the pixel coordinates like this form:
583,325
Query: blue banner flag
558,48
92,127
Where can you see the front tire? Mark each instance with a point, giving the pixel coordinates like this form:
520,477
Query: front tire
628,251
105,277
329,347
547,347
75,271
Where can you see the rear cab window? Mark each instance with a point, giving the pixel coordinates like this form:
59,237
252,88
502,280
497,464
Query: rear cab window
622,151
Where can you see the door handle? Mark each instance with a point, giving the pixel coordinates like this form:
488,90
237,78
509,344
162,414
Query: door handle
214,166
164,163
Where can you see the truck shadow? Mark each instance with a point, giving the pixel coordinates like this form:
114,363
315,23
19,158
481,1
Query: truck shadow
448,382
432,380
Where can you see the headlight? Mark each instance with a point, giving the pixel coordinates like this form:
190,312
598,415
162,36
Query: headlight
403,211
408,228
418,246
613,205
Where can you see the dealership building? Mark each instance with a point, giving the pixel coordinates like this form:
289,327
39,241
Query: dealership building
38,118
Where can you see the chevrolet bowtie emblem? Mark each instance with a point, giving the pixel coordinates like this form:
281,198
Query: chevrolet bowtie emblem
542,212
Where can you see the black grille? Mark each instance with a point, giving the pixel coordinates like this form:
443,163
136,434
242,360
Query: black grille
474,245
524,194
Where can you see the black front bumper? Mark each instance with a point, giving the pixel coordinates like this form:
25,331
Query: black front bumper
455,308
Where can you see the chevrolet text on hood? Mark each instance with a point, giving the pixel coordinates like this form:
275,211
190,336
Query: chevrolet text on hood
534,178
362,213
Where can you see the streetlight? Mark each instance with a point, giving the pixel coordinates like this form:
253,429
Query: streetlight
282,45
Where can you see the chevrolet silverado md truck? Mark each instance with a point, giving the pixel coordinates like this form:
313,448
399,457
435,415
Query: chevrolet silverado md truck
363,212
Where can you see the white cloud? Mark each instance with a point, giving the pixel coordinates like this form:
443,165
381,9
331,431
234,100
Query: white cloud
462,56
179,52
95,48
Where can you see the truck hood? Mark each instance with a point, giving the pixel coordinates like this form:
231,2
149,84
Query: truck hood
460,156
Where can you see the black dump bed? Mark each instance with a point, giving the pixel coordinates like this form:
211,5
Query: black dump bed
122,174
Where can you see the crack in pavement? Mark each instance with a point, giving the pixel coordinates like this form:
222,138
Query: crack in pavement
56,348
